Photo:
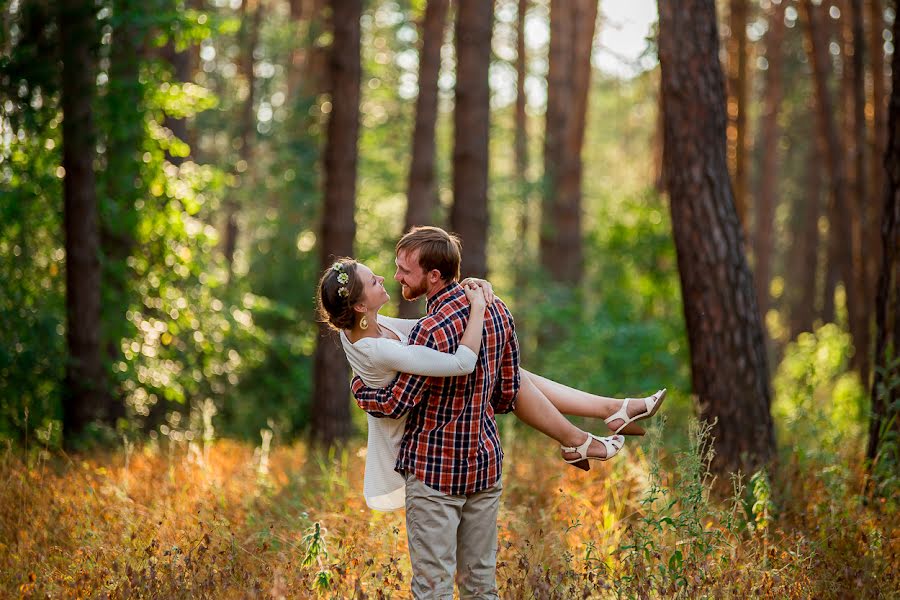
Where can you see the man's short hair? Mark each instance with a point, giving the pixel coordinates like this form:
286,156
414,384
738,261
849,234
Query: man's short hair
437,250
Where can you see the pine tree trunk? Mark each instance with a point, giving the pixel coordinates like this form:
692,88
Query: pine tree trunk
247,124
125,134
769,138
738,102
331,392
805,250
860,289
572,24
887,304
877,131
85,397
471,123
838,265
422,196
521,149
728,363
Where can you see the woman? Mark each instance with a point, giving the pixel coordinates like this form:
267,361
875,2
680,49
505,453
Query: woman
350,296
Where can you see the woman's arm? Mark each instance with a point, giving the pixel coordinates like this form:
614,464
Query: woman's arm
422,360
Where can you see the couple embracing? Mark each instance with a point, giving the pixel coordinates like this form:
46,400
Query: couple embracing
432,387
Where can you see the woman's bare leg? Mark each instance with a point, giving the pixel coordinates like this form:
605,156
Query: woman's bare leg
534,409
571,401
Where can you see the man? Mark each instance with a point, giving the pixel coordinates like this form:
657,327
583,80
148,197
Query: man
450,453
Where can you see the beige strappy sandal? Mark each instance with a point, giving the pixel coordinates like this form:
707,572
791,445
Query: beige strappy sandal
652,404
612,443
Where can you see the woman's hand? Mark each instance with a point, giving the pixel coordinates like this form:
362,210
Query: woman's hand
476,297
485,286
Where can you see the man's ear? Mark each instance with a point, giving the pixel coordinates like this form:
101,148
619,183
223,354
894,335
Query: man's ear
434,276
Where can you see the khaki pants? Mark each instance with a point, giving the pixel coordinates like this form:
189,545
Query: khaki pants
452,534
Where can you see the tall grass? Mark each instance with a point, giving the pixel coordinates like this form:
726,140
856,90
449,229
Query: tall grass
169,520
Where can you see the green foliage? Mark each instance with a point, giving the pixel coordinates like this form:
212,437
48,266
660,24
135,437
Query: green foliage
819,408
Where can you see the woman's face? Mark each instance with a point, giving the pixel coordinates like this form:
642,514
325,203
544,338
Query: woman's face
374,295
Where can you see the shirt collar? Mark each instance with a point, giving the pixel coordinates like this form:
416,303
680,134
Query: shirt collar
451,290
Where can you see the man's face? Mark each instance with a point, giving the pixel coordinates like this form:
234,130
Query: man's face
410,275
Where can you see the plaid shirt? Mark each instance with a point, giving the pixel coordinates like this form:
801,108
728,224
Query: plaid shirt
451,441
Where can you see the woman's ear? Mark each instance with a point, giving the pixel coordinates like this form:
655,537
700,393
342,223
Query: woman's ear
360,308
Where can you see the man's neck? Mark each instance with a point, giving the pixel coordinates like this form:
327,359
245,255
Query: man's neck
438,288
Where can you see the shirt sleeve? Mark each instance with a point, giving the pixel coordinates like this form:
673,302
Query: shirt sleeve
421,360
404,326
507,387
403,394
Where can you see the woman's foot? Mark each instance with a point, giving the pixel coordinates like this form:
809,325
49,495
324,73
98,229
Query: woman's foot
593,448
634,409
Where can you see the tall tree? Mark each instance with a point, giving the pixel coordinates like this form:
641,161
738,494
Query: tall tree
572,25
839,251
85,398
123,182
738,101
885,392
251,15
859,288
422,198
331,392
728,363
521,149
769,136
878,126
471,123
804,257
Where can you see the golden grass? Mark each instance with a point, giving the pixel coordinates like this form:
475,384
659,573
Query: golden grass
235,522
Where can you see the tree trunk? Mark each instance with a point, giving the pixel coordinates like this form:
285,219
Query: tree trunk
572,24
331,393
805,250
521,149
885,391
125,134
738,102
247,120
877,131
85,396
422,197
471,122
769,138
728,363
860,294
839,248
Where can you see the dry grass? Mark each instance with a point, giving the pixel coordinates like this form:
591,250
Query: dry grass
233,522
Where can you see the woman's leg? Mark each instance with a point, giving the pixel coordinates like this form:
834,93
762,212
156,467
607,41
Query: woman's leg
570,401
534,409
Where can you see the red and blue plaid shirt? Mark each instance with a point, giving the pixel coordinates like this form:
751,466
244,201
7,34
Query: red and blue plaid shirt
451,442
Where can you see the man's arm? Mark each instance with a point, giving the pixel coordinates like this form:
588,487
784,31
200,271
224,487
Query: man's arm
509,379
402,395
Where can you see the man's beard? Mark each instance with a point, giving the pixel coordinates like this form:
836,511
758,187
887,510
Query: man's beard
411,293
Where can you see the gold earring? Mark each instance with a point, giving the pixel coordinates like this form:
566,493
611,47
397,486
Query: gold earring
364,322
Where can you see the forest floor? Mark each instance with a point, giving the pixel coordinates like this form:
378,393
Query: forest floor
177,520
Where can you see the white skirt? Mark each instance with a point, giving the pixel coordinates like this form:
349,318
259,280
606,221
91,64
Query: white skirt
383,487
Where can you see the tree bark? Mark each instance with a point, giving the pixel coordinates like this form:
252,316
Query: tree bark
738,102
839,247
877,130
471,122
247,121
331,392
805,250
85,397
521,148
769,138
860,290
728,364
572,24
885,392
422,196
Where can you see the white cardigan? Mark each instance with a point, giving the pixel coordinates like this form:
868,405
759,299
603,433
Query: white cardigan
377,362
